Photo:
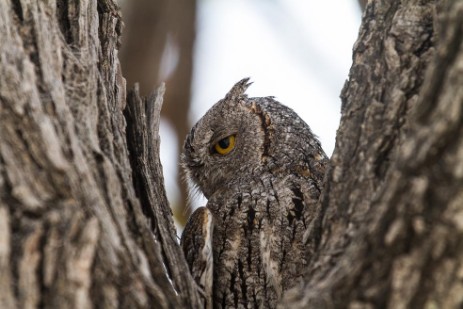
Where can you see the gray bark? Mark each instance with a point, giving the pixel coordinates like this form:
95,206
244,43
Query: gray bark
84,221
393,202
73,232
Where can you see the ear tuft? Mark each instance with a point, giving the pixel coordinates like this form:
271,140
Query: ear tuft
238,89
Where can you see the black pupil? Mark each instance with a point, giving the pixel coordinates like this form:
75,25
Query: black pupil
224,143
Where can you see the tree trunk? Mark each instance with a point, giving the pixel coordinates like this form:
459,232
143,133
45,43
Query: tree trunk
392,209
84,221
73,233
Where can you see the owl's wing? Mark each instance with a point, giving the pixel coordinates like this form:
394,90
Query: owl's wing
196,243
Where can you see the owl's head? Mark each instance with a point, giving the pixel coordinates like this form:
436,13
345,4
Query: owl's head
225,143
240,137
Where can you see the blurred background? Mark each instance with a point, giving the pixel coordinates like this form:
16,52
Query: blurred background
296,50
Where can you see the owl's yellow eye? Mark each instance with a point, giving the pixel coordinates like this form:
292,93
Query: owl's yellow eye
225,145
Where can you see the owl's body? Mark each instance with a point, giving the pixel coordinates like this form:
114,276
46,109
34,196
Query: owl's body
261,169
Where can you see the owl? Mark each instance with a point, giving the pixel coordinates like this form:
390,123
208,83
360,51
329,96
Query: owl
261,169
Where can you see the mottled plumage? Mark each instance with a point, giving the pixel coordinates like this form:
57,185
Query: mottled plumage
261,169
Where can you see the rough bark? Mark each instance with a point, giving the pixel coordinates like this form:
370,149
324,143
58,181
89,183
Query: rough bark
393,202
84,221
73,234
143,116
